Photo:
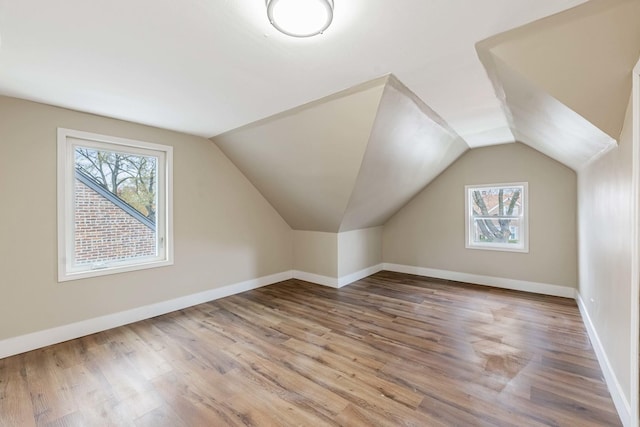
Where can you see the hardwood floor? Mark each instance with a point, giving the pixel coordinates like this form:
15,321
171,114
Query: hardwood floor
389,350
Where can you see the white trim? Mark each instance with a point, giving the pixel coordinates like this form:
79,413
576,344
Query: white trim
615,389
67,139
35,340
32,341
339,282
617,394
635,251
366,272
523,246
497,282
318,279
90,136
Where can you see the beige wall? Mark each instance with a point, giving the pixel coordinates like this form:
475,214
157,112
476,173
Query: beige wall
604,196
315,252
335,255
359,250
429,231
225,231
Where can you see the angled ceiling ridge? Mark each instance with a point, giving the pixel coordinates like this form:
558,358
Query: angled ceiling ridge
409,145
305,160
395,83
592,79
361,87
542,121
566,99
346,161
583,10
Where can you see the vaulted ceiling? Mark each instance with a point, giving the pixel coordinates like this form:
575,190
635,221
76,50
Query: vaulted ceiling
347,161
338,131
353,159
565,81
209,66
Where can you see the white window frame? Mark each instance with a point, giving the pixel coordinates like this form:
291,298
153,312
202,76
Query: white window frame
523,246
68,139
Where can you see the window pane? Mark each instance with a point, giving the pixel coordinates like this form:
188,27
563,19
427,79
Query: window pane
497,217
497,201
498,230
115,201
115,205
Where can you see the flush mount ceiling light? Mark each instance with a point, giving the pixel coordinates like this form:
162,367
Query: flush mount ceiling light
300,18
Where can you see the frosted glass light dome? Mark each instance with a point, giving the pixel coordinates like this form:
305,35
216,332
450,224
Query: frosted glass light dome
300,18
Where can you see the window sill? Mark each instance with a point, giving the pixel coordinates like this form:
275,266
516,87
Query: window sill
86,274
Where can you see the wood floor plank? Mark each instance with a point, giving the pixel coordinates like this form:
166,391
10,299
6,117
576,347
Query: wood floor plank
16,407
189,404
50,395
389,350
344,366
299,390
162,416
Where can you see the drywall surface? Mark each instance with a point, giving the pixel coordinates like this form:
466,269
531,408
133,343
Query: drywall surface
359,250
605,220
224,231
429,231
547,125
315,252
408,147
306,161
592,79
335,255
347,161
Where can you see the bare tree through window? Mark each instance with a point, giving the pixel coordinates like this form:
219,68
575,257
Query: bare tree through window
495,210
131,177
496,217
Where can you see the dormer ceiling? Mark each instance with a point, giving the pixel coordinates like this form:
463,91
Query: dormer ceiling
353,159
565,81
340,130
347,161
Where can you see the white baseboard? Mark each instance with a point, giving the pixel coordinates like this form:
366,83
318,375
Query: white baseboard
336,282
617,395
350,278
318,279
35,340
32,341
615,389
497,282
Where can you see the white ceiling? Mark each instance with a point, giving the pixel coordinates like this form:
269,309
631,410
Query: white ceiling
208,66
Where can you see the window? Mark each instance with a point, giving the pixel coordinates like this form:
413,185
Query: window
114,205
497,217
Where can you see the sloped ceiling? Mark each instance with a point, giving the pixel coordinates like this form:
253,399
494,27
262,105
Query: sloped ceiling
408,147
347,161
559,83
205,67
353,159
305,161
565,80
544,123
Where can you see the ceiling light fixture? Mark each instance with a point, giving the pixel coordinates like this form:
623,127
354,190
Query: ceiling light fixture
300,18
